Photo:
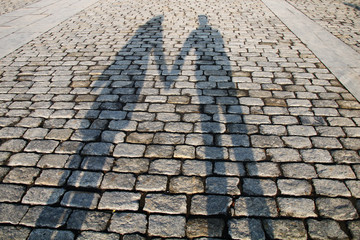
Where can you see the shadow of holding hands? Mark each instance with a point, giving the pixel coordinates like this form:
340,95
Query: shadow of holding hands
109,162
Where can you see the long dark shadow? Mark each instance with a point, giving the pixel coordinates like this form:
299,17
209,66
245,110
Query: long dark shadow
357,7
100,127
225,138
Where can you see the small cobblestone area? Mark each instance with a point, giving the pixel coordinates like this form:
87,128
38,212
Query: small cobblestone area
7,6
341,18
175,120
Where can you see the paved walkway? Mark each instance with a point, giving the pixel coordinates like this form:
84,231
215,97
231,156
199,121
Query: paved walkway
177,119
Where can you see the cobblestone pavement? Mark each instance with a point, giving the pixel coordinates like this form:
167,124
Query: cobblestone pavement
176,119
341,18
7,6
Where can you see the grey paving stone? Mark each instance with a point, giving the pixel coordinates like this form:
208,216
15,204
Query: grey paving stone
41,146
35,133
284,155
85,135
229,168
351,143
10,213
184,184
123,125
12,132
97,163
163,226
21,175
326,142
140,138
246,154
167,204
113,136
129,150
232,140
53,177
125,223
13,145
242,128
290,207
316,155
59,134
184,152
330,188
259,187
11,192
151,183
340,121
298,170
209,205
294,187
42,195
222,185
301,130
263,169
335,171
165,166
197,168
151,126
51,234
204,227
336,208
14,232
209,127
88,220
98,149
79,199
330,131
248,228
207,152
346,156
24,159
131,165
266,141
45,216
278,130
297,142
255,206
120,201
325,229
53,161
69,147
85,179
256,119
121,181
285,229
159,151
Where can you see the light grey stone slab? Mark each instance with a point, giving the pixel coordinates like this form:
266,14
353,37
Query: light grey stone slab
339,58
25,24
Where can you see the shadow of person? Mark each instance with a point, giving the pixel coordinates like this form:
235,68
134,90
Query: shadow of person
99,128
225,141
